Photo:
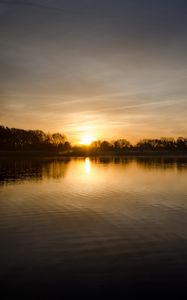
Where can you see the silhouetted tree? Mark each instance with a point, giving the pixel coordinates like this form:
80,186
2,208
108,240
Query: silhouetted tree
105,146
121,144
181,143
19,139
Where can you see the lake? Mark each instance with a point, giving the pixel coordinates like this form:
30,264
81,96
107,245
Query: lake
94,225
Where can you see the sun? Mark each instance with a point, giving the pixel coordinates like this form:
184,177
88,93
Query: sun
87,140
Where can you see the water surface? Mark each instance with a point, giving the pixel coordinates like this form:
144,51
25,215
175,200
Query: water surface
95,224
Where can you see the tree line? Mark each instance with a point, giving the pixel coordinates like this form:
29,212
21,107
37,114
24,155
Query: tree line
164,143
120,146
20,139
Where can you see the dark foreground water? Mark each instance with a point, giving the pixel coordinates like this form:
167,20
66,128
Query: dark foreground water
96,226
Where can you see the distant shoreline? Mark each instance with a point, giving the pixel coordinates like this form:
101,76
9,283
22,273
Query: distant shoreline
52,154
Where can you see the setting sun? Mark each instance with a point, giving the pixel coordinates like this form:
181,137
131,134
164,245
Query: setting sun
87,140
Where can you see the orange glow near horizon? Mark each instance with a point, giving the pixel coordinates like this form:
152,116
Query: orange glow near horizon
87,140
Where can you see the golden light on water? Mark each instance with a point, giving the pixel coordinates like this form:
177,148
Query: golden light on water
87,165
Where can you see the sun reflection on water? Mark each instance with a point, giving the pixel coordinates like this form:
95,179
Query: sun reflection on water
87,165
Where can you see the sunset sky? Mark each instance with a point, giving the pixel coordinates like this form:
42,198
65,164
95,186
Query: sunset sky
105,68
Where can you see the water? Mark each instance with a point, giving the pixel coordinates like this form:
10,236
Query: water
96,225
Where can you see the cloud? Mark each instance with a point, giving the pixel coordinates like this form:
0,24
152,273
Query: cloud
117,70
32,4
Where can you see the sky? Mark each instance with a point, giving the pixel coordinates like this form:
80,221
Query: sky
106,68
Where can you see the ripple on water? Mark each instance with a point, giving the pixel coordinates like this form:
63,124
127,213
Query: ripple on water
118,222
